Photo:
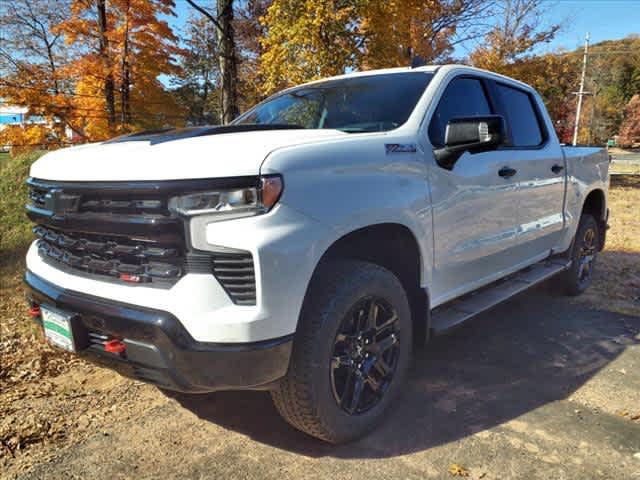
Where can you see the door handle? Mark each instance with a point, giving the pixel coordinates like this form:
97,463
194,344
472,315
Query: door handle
557,168
506,172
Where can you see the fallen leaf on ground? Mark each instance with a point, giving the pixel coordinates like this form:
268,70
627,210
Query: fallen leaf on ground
458,471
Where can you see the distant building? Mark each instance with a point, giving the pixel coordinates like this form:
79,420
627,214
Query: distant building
18,116
12,115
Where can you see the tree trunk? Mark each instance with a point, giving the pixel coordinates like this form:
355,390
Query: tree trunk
109,86
228,61
125,77
227,56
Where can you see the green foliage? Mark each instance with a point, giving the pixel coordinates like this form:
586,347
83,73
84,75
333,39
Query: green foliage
15,228
198,81
613,78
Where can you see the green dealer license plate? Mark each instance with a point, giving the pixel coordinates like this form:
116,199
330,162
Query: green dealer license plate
57,328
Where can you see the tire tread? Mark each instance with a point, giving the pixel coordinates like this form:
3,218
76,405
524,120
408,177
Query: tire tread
293,396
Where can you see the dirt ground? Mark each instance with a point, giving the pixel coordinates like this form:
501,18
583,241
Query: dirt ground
540,387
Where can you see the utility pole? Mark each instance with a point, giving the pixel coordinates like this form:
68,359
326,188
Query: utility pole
581,93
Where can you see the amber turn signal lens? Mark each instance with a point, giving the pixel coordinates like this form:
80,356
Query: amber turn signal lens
271,191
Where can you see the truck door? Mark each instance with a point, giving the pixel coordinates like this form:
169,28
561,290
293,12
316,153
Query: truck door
474,204
539,162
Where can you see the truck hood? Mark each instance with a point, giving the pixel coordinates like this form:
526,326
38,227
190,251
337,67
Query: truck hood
132,158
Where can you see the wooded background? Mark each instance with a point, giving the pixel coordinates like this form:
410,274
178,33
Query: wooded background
100,68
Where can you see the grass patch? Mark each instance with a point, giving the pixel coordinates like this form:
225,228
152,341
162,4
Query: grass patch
623,168
616,282
15,229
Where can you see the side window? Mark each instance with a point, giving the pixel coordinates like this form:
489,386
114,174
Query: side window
463,97
521,116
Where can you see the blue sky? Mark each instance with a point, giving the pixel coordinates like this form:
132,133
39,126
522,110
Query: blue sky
603,19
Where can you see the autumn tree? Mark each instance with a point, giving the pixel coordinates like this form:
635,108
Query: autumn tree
520,26
397,31
33,56
613,78
630,128
306,39
125,47
24,139
249,32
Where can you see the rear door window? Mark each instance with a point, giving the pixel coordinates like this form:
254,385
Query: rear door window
521,116
463,97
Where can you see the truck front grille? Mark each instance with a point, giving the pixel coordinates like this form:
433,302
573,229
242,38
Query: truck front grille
110,256
125,232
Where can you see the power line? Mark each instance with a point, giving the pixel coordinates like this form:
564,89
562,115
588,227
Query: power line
39,144
49,92
134,115
593,52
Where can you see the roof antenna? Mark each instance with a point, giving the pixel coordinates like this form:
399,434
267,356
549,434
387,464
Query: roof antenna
418,61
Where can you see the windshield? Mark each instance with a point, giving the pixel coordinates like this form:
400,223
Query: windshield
372,103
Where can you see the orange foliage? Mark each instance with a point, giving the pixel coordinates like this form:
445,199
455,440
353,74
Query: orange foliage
24,139
307,39
134,49
398,30
630,128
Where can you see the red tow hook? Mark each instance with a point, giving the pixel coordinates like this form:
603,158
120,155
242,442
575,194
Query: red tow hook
34,311
115,346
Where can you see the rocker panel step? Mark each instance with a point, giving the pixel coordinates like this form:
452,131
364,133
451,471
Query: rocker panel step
455,312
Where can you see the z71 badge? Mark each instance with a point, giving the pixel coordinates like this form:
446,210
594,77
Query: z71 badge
400,147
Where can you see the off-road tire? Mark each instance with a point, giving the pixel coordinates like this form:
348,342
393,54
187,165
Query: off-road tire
572,281
305,397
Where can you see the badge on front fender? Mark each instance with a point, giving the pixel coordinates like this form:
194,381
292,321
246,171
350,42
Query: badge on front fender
400,148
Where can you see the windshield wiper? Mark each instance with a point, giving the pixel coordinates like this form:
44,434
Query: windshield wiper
357,130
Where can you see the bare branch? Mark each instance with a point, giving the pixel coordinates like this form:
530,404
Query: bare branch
206,13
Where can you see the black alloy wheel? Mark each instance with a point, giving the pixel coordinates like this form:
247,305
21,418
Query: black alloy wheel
351,352
583,254
365,355
587,250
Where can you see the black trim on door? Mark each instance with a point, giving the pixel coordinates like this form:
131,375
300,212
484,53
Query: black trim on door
485,88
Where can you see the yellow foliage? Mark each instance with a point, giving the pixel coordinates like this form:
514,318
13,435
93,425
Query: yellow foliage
397,30
307,39
24,139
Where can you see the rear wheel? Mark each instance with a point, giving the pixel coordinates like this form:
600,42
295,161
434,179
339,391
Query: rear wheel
351,352
578,277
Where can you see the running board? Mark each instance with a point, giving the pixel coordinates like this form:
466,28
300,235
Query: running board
455,312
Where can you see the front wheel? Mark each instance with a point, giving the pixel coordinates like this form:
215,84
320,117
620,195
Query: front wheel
578,277
351,352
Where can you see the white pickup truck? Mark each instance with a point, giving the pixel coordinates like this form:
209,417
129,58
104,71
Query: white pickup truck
307,247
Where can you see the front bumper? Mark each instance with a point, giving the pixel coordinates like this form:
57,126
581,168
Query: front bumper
159,349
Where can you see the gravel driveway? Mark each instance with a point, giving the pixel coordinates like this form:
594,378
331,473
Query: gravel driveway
537,388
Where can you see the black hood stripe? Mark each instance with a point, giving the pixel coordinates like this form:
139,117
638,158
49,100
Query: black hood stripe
170,134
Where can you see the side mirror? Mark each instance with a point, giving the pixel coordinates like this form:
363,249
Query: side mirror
470,134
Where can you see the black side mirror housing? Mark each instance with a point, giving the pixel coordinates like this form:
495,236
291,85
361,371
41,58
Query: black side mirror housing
470,134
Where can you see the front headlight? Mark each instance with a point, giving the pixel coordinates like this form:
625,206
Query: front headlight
235,203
